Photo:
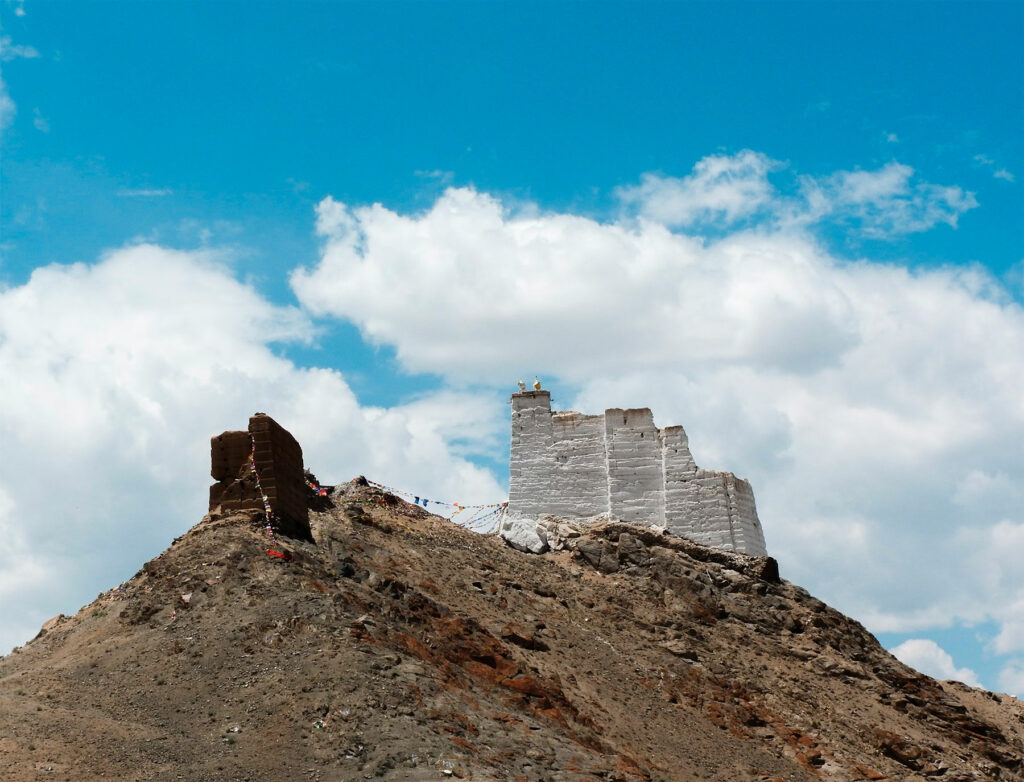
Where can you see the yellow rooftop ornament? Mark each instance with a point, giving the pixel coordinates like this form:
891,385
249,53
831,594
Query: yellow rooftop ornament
536,383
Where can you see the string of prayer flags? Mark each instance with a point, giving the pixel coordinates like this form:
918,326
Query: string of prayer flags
266,506
483,522
424,501
256,474
318,490
484,519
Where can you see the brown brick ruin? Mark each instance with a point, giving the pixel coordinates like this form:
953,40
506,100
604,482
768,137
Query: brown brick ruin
278,459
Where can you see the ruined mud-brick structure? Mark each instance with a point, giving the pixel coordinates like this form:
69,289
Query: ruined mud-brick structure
278,460
620,465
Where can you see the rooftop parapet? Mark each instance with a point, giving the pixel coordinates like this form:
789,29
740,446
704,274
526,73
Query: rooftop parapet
524,400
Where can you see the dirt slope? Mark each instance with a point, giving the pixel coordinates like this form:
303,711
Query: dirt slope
401,646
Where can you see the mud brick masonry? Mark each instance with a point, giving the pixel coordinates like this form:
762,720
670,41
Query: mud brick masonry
278,459
620,465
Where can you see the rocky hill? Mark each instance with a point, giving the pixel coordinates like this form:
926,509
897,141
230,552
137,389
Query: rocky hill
398,645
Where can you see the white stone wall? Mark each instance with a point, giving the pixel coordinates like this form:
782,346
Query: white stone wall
636,480
682,502
746,527
621,465
579,486
532,464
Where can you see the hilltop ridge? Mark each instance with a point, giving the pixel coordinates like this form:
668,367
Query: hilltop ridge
397,645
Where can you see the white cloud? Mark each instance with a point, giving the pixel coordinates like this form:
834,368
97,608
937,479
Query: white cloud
1011,678
1011,632
979,492
10,51
998,173
115,375
438,175
999,557
892,138
886,202
8,109
931,659
144,192
722,188
40,122
876,409
522,279
858,187
22,573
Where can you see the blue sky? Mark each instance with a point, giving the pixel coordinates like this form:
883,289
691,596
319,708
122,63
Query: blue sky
795,228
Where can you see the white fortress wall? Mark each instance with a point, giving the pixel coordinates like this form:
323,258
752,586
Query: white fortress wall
682,493
531,466
621,465
580,485
746,527
636,481
715,508
712,522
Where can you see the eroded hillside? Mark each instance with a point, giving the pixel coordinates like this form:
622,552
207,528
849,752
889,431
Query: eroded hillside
400,646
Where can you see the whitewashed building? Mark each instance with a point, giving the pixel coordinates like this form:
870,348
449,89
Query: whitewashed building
619,465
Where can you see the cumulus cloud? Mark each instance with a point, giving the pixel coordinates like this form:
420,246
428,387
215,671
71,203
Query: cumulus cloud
1011,632
876,409
1011,678
520,280
114,375
930,658
1001,558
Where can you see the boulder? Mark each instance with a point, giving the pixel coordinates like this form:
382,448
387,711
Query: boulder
524,535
